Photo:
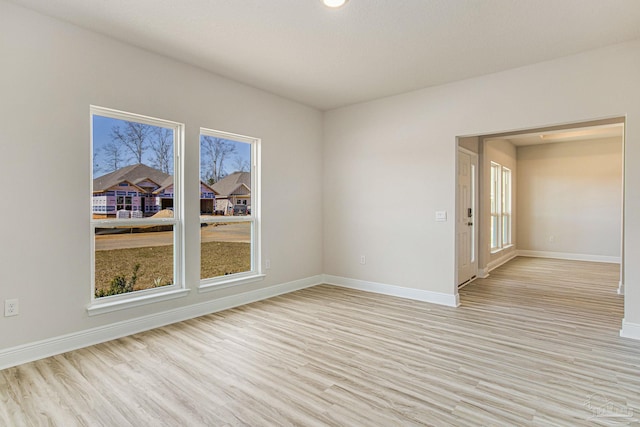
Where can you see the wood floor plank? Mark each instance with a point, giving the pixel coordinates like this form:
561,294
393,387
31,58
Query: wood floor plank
535,344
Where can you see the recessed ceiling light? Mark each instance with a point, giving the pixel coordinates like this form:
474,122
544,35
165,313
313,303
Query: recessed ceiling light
334,3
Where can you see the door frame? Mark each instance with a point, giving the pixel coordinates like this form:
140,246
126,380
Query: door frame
482,271
476,216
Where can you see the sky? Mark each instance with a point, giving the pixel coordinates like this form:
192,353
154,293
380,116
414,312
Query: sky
102,127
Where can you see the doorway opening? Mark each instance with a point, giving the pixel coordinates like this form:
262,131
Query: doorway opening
566,196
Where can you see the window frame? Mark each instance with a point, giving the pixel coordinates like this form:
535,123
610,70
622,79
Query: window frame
506,207
256,272
177,288
495,188
501,196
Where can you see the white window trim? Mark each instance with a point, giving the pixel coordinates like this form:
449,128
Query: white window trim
506,187
500,208
255,274
177,289
496,189
135,299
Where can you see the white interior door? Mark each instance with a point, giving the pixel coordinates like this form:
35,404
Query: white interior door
467,260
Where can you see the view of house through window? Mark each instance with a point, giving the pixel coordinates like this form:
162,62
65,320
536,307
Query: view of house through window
228,199
133,197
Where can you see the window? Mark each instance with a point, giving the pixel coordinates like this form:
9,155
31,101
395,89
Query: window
229,221
506,207
500,195
135,216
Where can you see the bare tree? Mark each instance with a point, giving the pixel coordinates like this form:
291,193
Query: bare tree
241,165
113,156
214,152
162,148
96,165
133,137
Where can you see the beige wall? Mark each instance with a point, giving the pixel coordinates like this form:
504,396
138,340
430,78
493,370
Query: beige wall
405,146
402,147
51,72
471,143
570,197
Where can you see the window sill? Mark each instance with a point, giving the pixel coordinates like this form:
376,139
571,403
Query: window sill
217,284
495,251
100,307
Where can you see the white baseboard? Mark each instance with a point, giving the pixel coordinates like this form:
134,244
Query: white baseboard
483,273
61,344
569,256
630,330
502,260
451,300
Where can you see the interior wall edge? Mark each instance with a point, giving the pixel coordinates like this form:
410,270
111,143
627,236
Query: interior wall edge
630,330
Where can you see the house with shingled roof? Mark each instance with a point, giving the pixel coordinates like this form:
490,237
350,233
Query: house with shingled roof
142,189
233,189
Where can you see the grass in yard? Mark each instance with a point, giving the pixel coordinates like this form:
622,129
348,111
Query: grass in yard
220,258
156,263
156,266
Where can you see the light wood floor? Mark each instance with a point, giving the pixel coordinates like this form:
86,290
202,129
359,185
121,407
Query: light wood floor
535,344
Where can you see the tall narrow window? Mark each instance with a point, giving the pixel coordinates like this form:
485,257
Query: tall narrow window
229,208
136,205
495,206
506,206
500,195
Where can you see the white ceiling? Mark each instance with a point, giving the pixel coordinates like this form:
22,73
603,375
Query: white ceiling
367,49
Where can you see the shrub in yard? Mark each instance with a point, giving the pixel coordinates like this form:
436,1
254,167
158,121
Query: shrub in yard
119,284
158,281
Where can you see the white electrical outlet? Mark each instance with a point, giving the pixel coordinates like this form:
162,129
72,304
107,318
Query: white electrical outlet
267,264
11,307
363,259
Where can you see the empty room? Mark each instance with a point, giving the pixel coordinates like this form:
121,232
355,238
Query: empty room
365,213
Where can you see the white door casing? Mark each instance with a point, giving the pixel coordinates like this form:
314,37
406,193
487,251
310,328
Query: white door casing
466,247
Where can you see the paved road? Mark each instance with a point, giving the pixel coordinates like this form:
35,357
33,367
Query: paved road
233,232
